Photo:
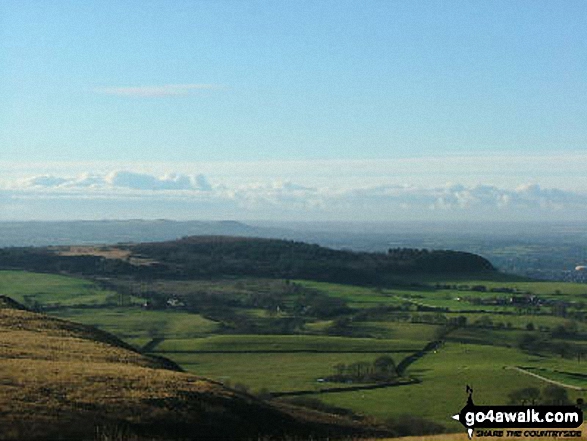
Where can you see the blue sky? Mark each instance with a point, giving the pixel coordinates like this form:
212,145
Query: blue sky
337,96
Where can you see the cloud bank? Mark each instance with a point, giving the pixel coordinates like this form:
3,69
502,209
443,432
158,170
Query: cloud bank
121,179
126,193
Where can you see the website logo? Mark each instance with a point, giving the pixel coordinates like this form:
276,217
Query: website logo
474,418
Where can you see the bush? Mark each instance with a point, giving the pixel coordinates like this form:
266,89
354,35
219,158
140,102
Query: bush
555,395
527,395
411,425
240,387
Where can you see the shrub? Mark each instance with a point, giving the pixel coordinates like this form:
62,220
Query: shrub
411,425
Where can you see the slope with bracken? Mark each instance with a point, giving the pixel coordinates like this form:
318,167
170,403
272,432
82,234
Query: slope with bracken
61,380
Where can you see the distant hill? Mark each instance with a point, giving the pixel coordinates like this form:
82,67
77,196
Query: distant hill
62,380
221,255
40,234
217,256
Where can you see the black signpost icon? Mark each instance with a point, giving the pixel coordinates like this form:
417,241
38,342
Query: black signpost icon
511,417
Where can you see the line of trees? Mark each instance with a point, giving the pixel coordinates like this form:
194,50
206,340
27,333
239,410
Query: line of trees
383,369
551,395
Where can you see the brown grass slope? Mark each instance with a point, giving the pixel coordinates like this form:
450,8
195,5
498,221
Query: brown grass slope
60,380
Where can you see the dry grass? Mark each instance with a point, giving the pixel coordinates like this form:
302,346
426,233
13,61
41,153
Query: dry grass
63,380
106,252
50,368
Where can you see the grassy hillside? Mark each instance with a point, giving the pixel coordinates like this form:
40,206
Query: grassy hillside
51,290
61,380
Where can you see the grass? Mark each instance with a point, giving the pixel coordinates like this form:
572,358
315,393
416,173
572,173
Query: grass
273,371
284,343
356,296
489,337
416,333
277,362
544,288
294,362
424,293
135,322
444,376
59,382
52,290
519,321
575,378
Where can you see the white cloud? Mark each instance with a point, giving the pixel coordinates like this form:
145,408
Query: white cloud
142,181
182,194
565,171
201,183
45,181
156,91
87,180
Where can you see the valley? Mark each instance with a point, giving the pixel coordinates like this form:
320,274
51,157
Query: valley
322,344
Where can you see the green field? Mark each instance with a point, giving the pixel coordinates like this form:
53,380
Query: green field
285,343
135,322
411,332
52,290
519,321
357,296
215,341
444,376
425,293
276,372
575,377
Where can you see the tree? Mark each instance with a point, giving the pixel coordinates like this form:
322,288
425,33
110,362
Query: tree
524,396
340,368
530,342
555,395
385,367
411,425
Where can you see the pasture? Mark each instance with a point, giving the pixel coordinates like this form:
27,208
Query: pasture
444,375
211,339
274,372
51,290
286,343
135,322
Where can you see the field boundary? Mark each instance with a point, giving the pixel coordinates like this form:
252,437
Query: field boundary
406,362
345,389
548,380
277,351
150,346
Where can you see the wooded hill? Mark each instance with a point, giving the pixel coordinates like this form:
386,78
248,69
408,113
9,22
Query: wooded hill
213,256
203,256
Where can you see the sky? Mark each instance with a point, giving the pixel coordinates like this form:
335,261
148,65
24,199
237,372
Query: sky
293,110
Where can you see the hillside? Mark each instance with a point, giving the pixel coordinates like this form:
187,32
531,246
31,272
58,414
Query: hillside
62,380
212,256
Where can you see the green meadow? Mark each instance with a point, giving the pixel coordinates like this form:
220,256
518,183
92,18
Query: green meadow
284,343
258,333
443,376
135,322
52,290
274,372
